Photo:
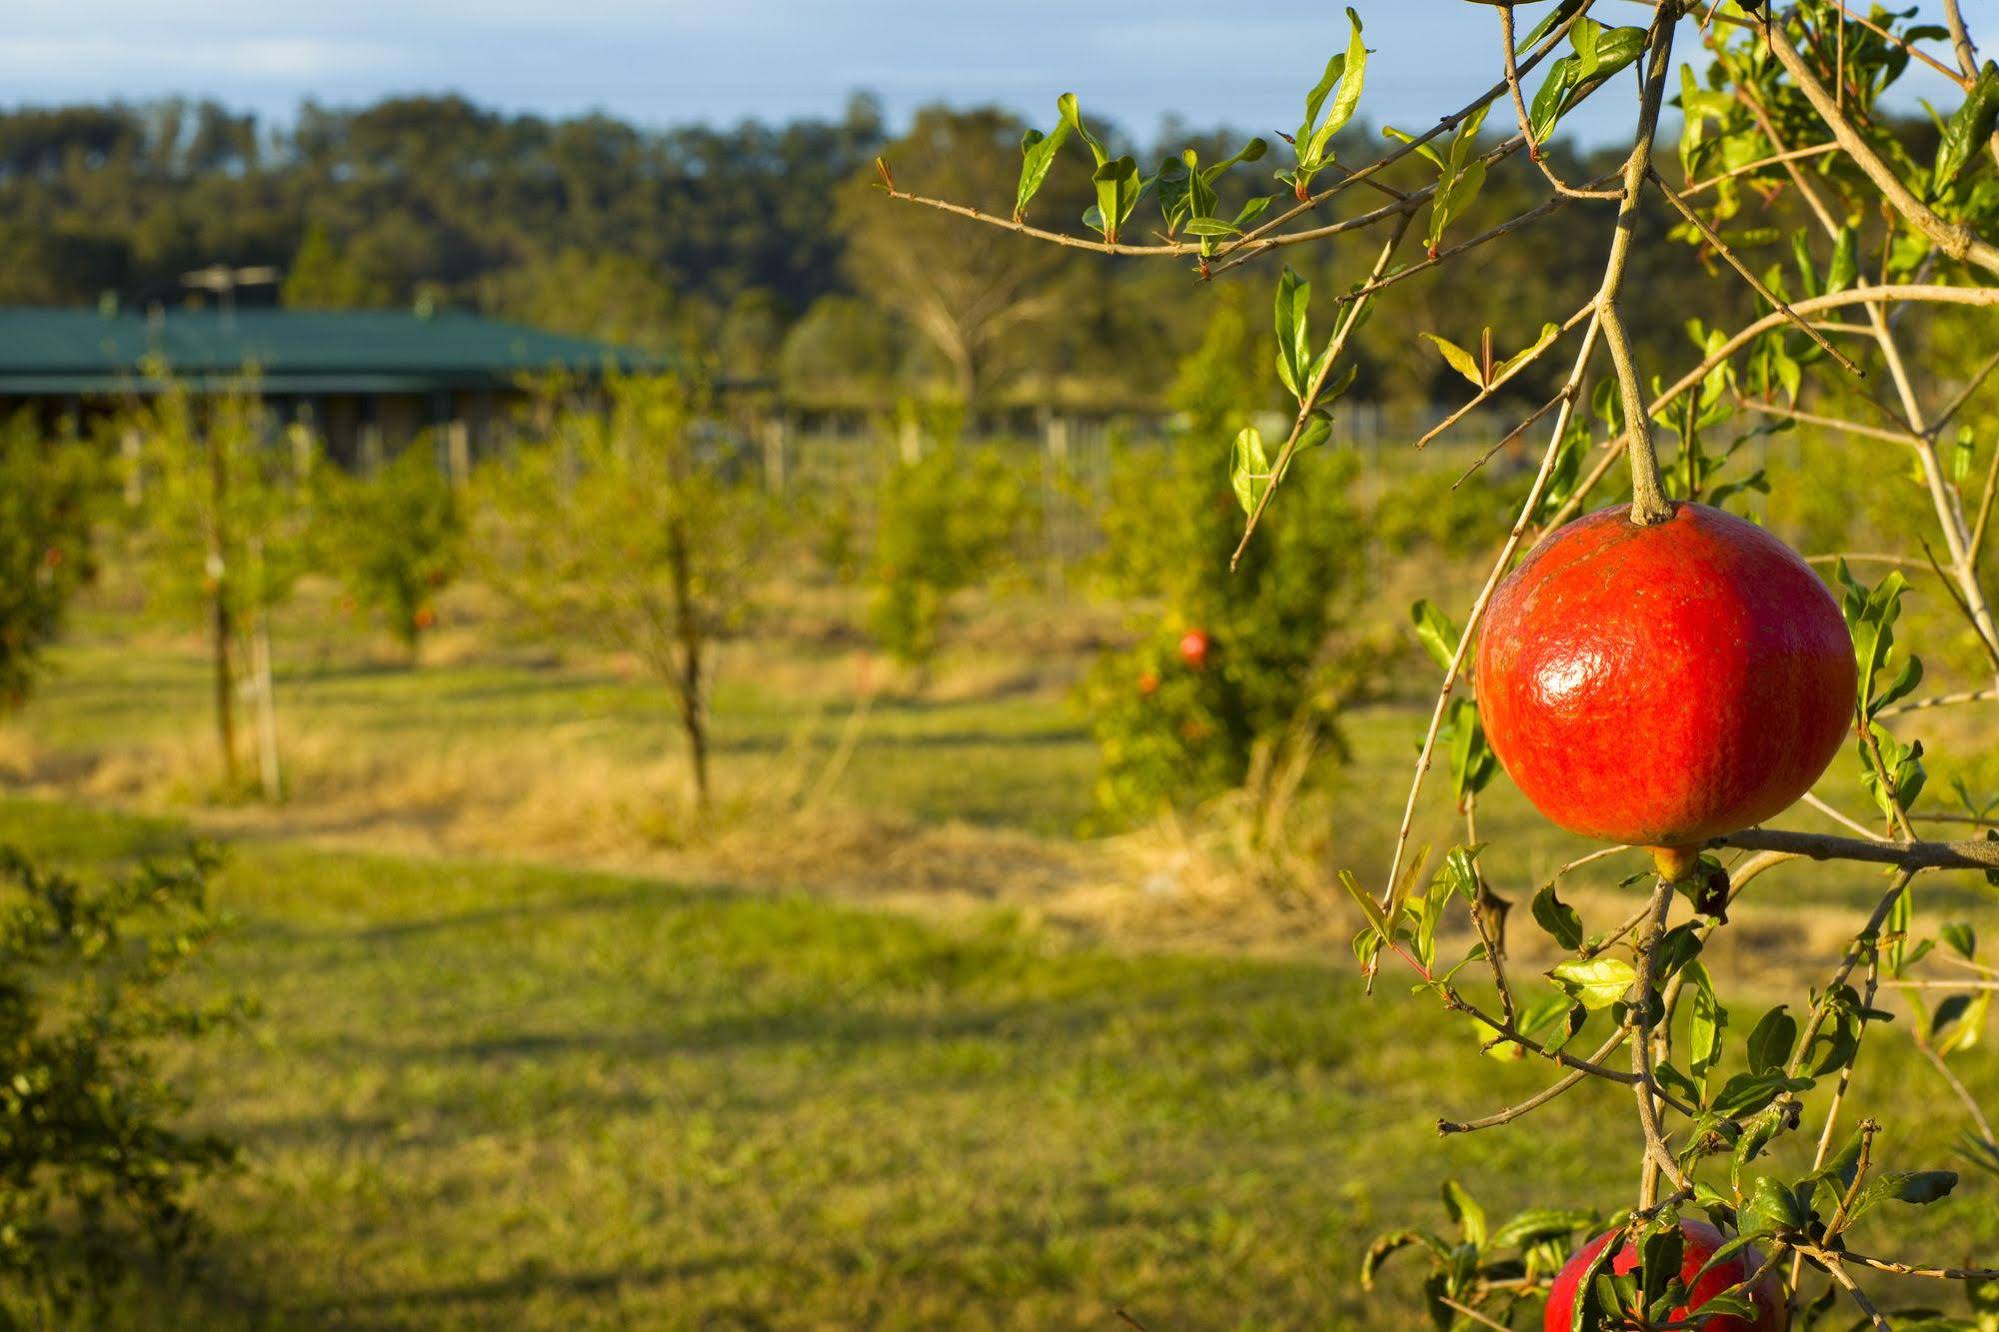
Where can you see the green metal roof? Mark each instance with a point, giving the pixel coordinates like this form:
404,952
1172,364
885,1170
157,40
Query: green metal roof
55,352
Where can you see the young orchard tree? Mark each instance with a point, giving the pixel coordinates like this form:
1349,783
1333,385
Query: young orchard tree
618,529
46,492
951,520
395,538
1227,666
226,536
1662,675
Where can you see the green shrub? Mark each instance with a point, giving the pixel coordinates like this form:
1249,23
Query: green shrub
947,522
93,1172
394,539
45,554
1172,732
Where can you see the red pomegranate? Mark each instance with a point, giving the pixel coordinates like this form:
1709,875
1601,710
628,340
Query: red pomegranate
1661,685
1701,1240
1194,648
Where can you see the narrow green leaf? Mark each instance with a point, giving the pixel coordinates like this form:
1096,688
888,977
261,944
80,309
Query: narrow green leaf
1435,632
1459,359
1037,152
1558,918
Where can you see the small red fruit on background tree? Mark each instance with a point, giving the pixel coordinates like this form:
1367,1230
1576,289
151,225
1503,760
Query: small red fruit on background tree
1194,647
1701,645
1703,1284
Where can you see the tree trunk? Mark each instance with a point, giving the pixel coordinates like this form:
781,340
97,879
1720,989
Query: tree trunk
687,630
268,766
220,619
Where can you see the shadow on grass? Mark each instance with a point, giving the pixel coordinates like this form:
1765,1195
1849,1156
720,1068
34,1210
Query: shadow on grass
418,1305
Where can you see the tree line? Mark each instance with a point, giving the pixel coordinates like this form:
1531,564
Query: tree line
767,248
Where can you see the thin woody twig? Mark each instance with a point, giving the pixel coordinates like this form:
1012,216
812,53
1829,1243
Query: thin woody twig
1308,401
1486,391
1941,701
1742,270
1959,242
1447,1127
1512,57
1910,855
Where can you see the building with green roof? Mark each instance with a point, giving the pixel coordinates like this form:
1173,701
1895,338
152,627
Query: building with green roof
363,380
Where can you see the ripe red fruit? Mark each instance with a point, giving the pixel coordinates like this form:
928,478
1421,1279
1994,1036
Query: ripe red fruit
1148,684
424,618
1194,648
1661,685
1700,1242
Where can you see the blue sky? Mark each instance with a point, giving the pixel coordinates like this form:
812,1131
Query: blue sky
1240,62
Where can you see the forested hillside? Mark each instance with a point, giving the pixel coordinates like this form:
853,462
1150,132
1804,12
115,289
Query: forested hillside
763,245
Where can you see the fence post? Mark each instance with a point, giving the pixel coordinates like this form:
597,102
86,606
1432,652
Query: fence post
131,447
458,453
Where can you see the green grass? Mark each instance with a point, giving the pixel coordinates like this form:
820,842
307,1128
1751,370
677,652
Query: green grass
485,1096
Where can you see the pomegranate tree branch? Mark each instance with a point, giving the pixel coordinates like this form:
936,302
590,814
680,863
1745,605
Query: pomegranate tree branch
1633,175
1507,47
1914,1270
1447,1127
1761,288
1444,125
1960,243
1648,493
1644,1015
1484,394
1775,159
1308,401
1911,855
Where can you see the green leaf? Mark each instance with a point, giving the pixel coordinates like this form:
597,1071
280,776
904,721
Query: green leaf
1512,364
1472,759
1746,1093
1249,468
1118,188
1678,947
1368,906
1558,918
1845,260
1919,1188
1773,1206
1349,70
1294,343
1659,1263
1771,1041
1037,151
1464,1210
1596,983
1705,1025
1385,1245
1962,938
1459,359
1072,116
1535,1225
1959,1022
1435,632
1966,130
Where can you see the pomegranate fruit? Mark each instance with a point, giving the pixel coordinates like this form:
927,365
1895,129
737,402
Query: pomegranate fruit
1666,684
1194,648
1700,1240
